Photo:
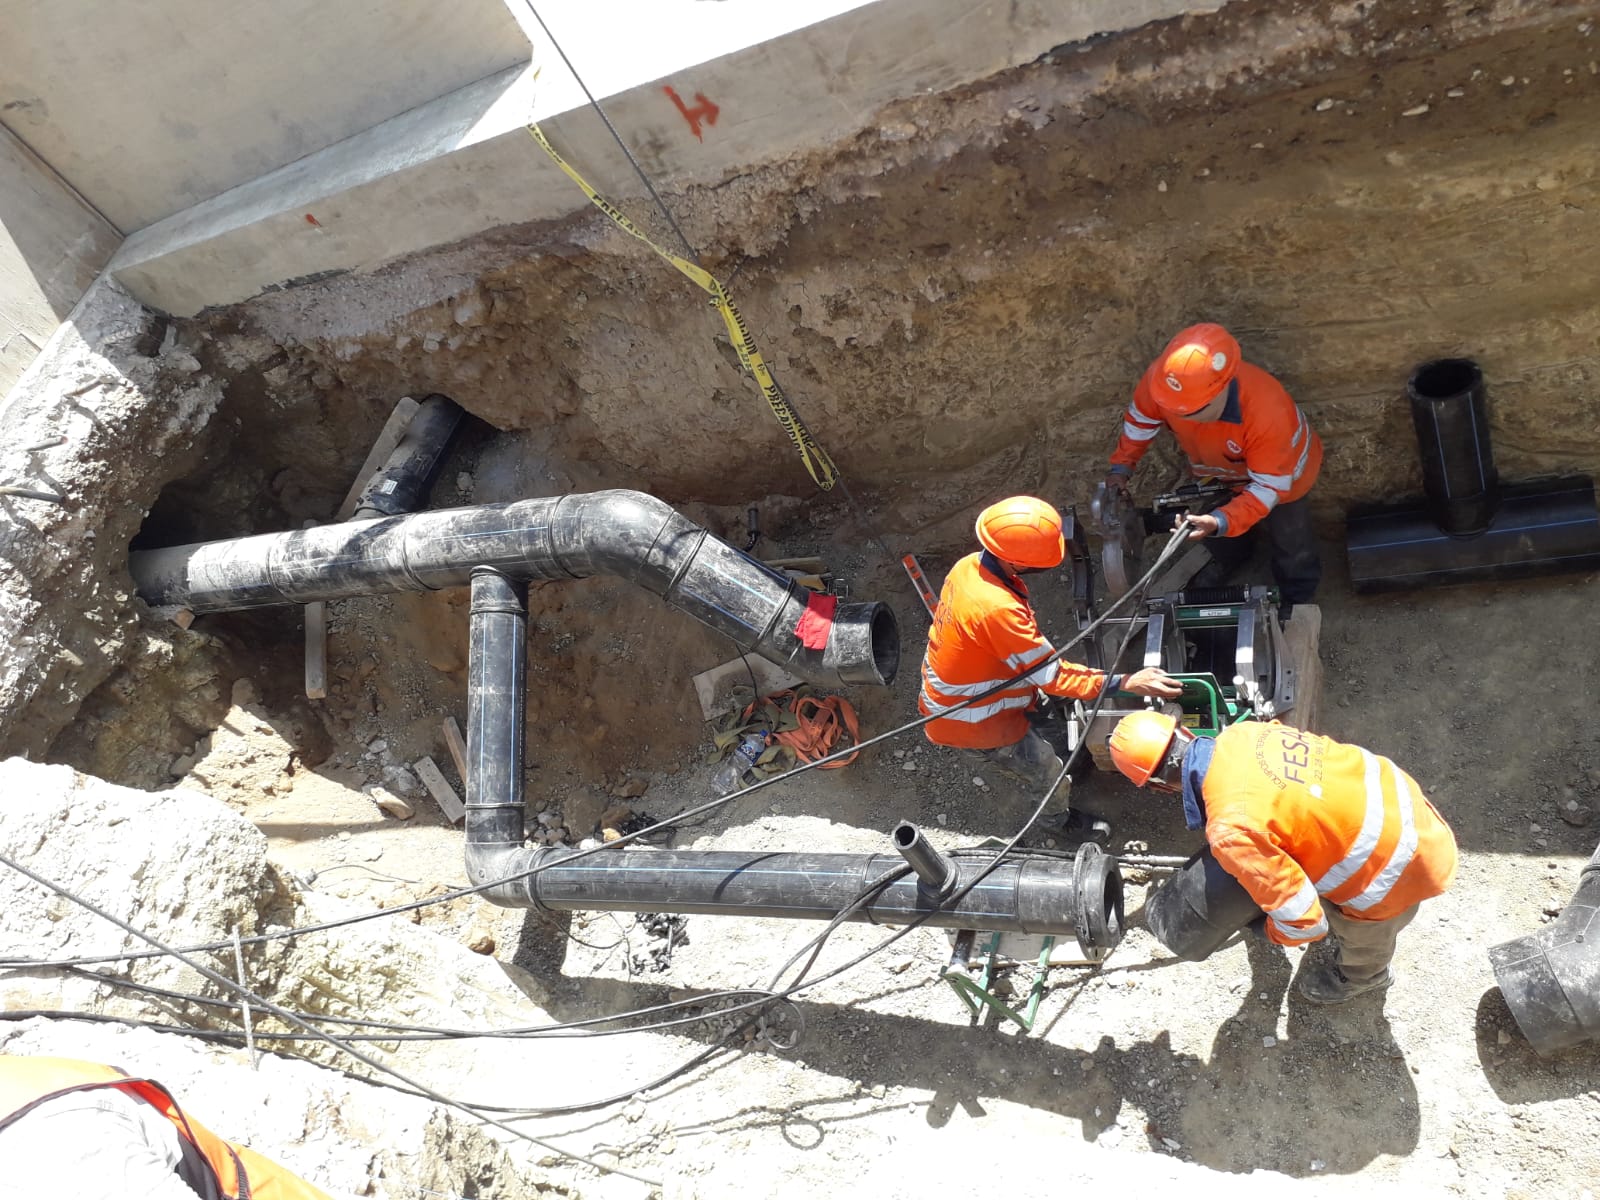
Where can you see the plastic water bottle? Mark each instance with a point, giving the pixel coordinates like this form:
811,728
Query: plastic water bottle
734,773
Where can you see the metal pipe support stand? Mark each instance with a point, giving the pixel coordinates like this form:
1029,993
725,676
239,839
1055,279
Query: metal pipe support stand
980,995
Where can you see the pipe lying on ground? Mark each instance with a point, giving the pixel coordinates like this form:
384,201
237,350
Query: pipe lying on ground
1551,978
623,533
401,485
1468,526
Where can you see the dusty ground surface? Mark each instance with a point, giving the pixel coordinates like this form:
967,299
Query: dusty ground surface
959,302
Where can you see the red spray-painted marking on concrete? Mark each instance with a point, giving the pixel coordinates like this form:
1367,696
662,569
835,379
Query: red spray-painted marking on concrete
310,220
703,110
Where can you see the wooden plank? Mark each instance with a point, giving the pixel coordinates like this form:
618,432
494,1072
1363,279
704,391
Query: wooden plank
316,650
458,747
388,438
1303,634
316,616
449,803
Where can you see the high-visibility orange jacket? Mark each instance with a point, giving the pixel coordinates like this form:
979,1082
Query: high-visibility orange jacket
1302,820
228,1171
1262,442
983,633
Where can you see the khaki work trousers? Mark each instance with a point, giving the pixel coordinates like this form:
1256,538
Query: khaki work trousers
1365,947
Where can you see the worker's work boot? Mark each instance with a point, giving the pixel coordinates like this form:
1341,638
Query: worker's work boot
1327,984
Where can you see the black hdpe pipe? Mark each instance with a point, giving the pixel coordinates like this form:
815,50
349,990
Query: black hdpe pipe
1082,898
623,533
1199,908
401,485
1023,896
1551,978
1468,526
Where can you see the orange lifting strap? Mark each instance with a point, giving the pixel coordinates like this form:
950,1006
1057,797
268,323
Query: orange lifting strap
812,726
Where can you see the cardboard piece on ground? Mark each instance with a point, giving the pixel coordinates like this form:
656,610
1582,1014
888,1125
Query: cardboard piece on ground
1303,633
458,747
715,688
449,803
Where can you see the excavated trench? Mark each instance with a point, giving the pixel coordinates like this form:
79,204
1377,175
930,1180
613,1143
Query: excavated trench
958,301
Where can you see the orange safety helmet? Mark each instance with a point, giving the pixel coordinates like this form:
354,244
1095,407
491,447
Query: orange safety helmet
1140,742
1194,368
1023,530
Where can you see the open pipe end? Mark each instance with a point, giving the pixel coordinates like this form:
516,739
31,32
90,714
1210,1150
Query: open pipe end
864,646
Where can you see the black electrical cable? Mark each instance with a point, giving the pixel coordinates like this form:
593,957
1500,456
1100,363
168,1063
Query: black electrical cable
265,1005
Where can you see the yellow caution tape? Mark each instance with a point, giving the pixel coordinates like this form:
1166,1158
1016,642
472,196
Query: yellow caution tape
813,456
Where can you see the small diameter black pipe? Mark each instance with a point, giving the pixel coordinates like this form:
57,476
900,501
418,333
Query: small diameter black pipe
1024,896
1551,978
1450,412
496,693
937,871
402,484
623,533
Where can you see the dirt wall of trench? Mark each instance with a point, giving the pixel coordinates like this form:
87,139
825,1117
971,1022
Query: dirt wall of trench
960,299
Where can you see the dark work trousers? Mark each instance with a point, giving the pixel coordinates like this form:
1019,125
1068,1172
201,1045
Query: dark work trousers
1296,566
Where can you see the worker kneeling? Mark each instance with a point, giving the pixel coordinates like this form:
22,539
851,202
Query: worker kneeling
1237,425
984,641
1322,837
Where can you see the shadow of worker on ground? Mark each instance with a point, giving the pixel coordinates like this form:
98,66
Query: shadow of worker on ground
1327,1093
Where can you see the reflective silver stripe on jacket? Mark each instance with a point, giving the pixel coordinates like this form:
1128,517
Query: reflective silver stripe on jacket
1404,851
1371,828
1269,498
978,712
1139,433
1295,909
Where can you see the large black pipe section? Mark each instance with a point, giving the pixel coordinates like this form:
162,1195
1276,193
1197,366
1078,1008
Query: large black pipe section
1551,978
496,694
1468,526
401,485
623,533
1036,896
1199,908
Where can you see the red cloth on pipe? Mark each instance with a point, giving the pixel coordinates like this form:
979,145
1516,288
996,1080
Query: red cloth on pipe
816,623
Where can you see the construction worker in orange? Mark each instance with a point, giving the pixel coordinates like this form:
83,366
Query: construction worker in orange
1238,426
1325,837
92,1132
985,643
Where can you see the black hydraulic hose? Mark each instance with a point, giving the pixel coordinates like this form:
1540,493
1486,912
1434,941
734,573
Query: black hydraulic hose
628,534
401,485
1551,978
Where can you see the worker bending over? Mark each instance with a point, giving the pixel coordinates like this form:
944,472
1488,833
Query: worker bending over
1324,836
83,1131
1236,424
984,635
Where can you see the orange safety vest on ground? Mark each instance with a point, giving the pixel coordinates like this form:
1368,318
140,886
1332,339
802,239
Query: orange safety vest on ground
1262,442
983,633
228,1171
1302,820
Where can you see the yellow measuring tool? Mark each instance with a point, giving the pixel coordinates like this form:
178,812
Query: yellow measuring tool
813,456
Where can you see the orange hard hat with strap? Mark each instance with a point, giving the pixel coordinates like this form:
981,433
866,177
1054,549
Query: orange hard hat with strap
1194,368
1139,744
1023,530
